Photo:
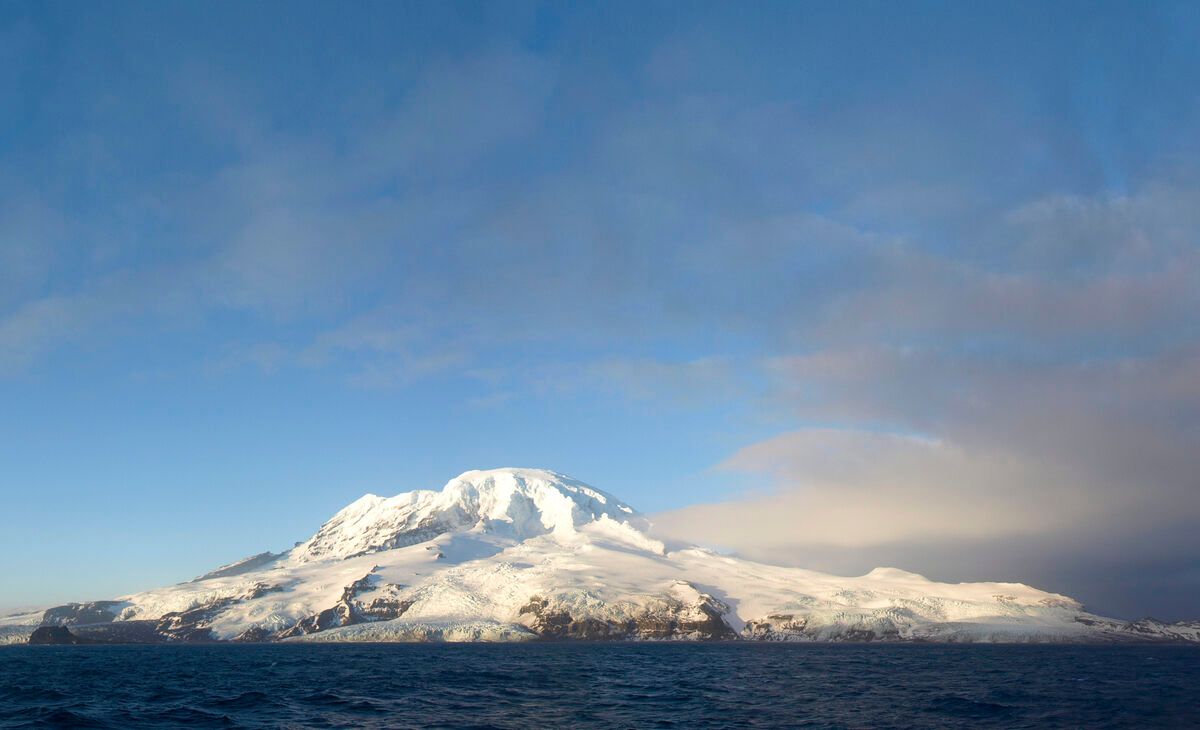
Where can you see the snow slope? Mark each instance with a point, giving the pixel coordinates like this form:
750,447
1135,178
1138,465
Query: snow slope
521,554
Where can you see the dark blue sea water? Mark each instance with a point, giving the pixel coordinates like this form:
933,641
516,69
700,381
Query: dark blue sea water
600,686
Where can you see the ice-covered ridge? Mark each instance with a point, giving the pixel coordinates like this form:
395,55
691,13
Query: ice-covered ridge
516,503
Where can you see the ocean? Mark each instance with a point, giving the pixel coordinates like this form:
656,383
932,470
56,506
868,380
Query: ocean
582,685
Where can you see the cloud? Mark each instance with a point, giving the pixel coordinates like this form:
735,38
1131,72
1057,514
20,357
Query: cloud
695,381
456,113
858,489
402,371
39,326
697,209
848,501
384,350
31,234
35,327
1027,461
284,228
1027,412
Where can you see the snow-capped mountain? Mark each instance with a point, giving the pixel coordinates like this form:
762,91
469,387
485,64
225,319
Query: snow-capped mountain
512,503
520,554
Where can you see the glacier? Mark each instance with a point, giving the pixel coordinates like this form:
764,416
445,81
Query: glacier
530,554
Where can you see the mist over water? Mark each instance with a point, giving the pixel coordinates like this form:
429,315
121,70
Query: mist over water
601,686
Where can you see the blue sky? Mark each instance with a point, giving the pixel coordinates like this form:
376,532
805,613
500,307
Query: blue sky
918,282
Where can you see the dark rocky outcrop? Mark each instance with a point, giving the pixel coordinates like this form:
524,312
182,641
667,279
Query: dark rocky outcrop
1143,630
96,622
327,619
790,627
254,634
776,625
60,635
1155,630
190,625
710,625
116,632
349,610
661,618
552,623
121,632
426,529
194,623
383,609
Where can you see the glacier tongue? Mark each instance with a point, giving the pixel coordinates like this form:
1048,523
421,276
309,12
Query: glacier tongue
519,554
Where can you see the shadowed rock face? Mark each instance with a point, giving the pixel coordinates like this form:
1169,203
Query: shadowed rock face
55,635
426,529
327,619
194,623
349,610
121,632
776,624
383,609
786,627
1160,630
254,634
71,614
95,623
191,625
553,623
662,619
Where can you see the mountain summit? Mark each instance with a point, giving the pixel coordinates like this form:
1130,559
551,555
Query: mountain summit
522,554
516,503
